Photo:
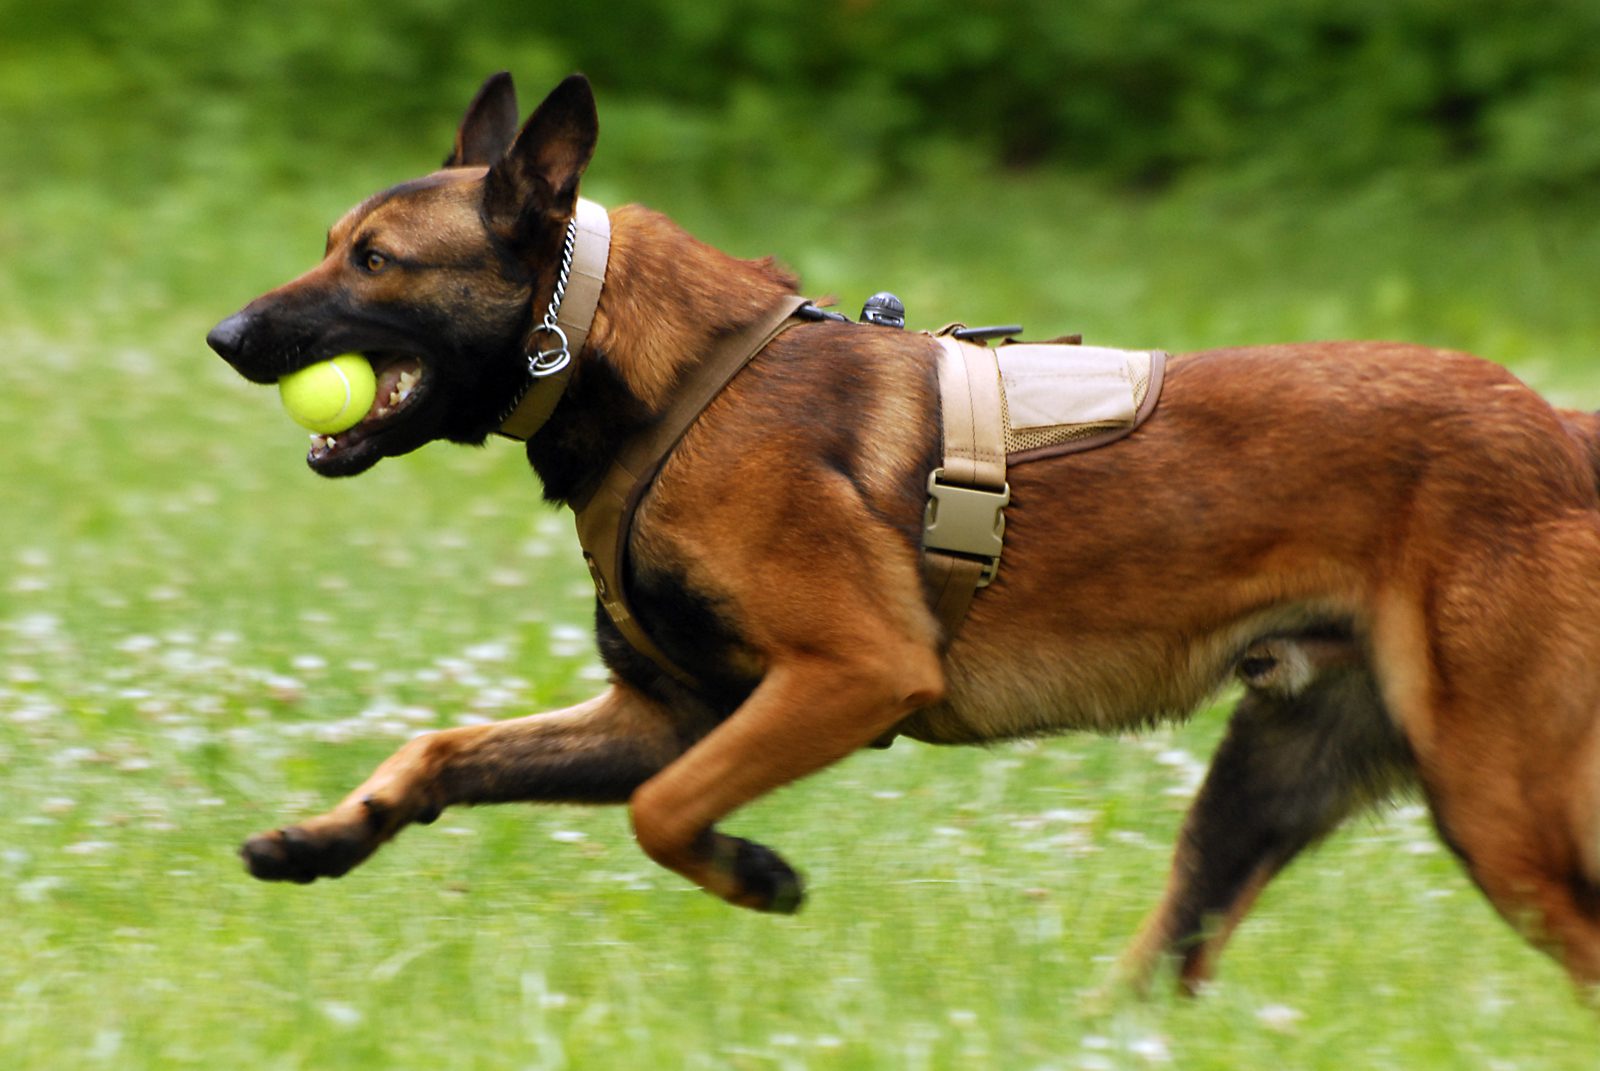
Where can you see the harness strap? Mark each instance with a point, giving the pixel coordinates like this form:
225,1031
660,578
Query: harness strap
590,250
964,525
605,517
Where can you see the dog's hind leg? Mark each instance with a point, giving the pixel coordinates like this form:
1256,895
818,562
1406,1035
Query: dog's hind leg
595,752
1510,829
1305,748
1506,730
809,712
1509,808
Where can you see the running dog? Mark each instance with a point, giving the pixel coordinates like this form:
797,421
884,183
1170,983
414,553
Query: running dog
1397,549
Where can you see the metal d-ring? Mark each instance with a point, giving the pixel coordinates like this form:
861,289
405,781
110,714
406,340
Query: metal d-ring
549,362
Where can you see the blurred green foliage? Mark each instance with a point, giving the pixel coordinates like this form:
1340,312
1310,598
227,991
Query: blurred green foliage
1499,96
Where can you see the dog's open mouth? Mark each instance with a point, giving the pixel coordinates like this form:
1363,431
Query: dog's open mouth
402,386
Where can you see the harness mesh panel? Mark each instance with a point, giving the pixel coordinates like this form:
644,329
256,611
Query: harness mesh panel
1020,439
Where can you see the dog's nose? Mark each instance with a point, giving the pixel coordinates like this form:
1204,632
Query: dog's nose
227,338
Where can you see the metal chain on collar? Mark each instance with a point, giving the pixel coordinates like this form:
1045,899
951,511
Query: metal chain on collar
549,362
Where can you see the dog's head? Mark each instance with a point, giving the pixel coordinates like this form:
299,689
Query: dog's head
434,280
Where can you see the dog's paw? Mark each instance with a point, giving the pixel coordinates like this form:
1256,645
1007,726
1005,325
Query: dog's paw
333,844
302,856
765,881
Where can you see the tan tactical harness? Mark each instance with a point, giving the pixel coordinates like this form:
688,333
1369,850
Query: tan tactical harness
606,515
1020,402
1020,399
965,523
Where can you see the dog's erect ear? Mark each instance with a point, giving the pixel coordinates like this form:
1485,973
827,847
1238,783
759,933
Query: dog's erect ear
489,126
537,179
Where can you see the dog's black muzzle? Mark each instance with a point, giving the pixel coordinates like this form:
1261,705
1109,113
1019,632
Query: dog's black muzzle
278,334
228,339
259,349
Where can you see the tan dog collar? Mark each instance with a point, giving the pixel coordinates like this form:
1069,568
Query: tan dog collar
566,322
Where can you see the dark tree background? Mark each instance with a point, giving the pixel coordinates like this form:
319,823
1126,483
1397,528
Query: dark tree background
1500,95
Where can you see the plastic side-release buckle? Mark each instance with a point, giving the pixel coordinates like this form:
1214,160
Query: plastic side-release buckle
967,521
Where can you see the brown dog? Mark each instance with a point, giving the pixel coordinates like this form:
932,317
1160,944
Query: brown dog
1397,548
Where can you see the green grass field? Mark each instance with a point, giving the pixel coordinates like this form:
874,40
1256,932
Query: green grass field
201,640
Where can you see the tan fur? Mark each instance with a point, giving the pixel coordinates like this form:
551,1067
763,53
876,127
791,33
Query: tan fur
702,292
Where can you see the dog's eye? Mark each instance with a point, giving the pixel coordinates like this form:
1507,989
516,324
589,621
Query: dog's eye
374,261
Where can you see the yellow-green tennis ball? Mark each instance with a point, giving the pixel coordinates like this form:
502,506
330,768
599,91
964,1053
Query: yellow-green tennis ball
332,396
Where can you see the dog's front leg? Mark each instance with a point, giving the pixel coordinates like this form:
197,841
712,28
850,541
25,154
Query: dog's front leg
808,712
595,752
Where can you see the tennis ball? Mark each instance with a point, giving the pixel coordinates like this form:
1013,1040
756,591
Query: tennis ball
331,396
